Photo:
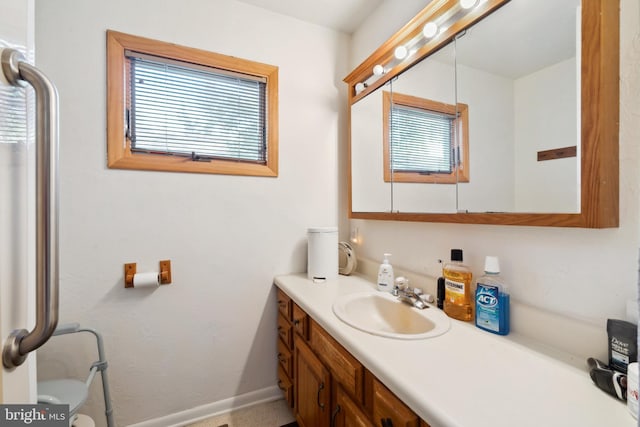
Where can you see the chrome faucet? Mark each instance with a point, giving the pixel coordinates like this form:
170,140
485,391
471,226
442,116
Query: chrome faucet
407,295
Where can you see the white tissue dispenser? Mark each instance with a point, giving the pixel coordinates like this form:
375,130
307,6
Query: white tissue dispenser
322,254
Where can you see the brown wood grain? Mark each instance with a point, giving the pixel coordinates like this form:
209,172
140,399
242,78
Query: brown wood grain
557,153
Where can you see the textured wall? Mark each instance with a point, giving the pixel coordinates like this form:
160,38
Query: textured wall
210,335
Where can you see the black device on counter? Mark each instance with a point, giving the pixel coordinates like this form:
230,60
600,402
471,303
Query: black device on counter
607,379
440,294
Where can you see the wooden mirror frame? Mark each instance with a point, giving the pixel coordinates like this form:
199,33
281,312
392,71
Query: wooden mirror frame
599,206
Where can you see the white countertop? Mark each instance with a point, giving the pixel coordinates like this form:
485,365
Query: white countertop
466,377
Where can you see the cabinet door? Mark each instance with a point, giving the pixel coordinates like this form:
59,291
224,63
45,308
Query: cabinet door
346,413
312,387
387,407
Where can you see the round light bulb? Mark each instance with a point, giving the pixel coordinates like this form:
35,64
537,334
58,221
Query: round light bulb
430,29
401,52
359,87
378,70
468,4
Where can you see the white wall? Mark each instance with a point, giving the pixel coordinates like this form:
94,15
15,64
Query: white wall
491,128
582,274
369,191
210,335
548,186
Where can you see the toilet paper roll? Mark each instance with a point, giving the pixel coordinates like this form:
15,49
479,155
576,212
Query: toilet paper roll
146,280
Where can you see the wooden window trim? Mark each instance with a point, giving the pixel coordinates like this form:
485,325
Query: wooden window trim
119,155
458,174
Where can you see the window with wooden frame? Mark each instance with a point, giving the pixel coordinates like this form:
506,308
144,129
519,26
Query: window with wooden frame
181,109
424,141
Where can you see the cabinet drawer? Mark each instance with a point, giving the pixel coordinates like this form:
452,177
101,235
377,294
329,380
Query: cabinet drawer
285,358
346,413
345,368
300,321
284,304
284,384
285,331
385,405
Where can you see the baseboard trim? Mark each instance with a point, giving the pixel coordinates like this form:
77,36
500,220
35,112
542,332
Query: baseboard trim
213,409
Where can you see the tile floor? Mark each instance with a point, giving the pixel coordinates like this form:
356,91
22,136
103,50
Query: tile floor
270,414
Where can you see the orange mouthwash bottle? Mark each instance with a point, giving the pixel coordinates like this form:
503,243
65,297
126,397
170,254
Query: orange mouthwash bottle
458,297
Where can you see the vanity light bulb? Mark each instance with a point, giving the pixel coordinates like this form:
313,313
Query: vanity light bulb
401,52
468,4
430,29
359,87
378,70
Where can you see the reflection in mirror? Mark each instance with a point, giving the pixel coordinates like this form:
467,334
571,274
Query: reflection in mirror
422,136
517,70
573,123
369,192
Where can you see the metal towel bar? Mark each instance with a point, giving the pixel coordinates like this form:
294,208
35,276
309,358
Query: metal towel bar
21,342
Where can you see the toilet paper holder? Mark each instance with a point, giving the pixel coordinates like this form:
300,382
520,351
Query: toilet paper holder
164,275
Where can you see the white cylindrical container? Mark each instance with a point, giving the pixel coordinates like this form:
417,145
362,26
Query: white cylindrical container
83,421
322,254
632,389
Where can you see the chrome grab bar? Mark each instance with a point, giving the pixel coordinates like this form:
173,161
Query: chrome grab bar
21,342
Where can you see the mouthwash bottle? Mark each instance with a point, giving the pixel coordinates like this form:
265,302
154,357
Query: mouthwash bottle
458,298
492,299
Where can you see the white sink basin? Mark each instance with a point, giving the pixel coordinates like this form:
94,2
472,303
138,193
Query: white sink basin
380,313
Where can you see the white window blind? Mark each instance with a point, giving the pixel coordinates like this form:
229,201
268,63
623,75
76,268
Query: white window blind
185,109
421,140
13,115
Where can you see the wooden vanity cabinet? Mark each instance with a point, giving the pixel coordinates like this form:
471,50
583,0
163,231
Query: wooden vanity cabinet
324,384
285,348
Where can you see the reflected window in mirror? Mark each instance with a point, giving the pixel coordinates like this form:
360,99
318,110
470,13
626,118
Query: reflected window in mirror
424,141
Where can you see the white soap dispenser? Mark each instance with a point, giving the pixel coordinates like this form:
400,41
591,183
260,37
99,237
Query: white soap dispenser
385,275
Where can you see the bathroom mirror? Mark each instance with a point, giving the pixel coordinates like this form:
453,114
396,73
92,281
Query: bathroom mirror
373,127
591,200
370,193
518,70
